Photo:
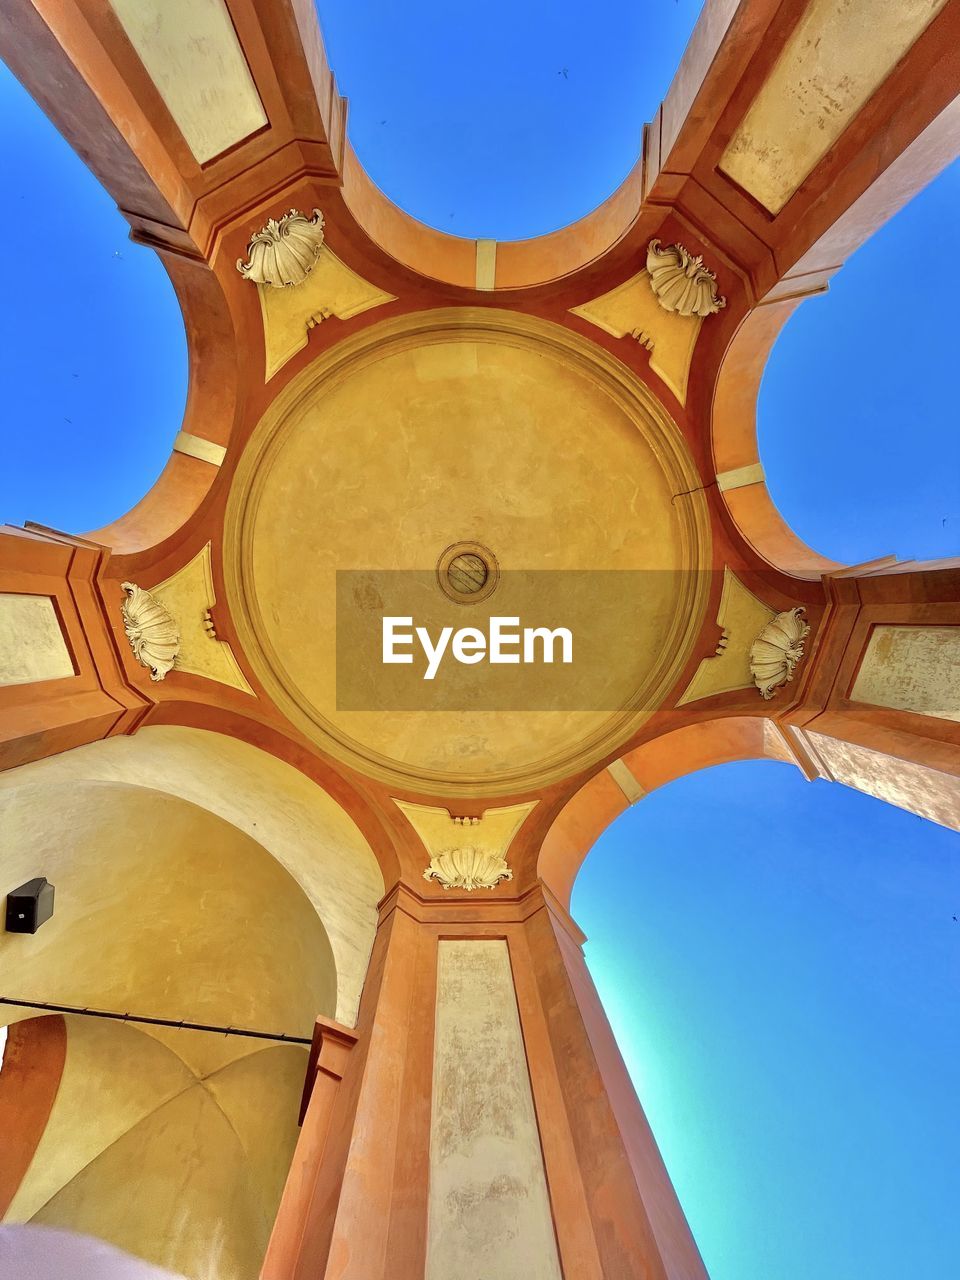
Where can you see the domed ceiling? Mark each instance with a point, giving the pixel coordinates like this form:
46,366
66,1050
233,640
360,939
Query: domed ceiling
510,436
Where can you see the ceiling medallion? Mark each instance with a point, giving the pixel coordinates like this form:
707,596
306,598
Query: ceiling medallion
777,650
468,572
681,282
283,253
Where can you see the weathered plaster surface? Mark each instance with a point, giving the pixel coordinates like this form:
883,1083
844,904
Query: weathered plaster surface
838,56
489,1212
193,56
910,786
912,669
32,646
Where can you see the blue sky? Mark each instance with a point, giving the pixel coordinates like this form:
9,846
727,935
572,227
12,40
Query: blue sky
785,986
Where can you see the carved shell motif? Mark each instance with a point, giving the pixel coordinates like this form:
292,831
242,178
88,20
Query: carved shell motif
468,867
284,252
777,650
681,282
152,632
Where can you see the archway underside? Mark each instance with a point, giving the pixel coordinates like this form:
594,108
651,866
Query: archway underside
468,416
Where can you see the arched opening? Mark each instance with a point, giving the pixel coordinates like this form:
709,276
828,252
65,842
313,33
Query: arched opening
777,959
833,440
93,323
298,823
862,458
169,1143
464,118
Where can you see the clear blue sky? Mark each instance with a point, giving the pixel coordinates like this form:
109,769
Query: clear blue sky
787,994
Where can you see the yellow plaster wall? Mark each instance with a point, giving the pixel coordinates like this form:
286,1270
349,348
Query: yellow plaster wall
438,830
304,829
632,309
463,425
170,1144
180,1168
742,617
189,594
331,289
162,909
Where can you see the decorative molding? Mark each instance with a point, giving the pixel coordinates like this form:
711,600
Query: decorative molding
740,477
486,273
740,616
196,447
468,867
284,252
189,596
625,780
681,282
332,291
632,309
440,830
777,650
151,630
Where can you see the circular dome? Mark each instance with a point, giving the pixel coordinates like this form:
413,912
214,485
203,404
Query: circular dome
505,433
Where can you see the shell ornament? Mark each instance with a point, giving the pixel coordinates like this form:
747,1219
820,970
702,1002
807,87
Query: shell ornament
284,252
777,650
152,632
681,282
468,867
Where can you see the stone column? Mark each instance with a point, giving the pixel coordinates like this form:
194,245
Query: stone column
881,705
485,1124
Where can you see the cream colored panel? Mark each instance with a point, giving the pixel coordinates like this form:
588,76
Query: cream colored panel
331,289
632,308
742,617
739,477
625,780
32,646
912,669
838,55
489,1213
189,595
304,829
196,447
191,52
909,786
486,264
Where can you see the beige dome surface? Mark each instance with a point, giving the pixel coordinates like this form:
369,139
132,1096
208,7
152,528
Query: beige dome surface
466,426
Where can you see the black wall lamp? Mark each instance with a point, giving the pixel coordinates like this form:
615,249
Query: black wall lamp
30,906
